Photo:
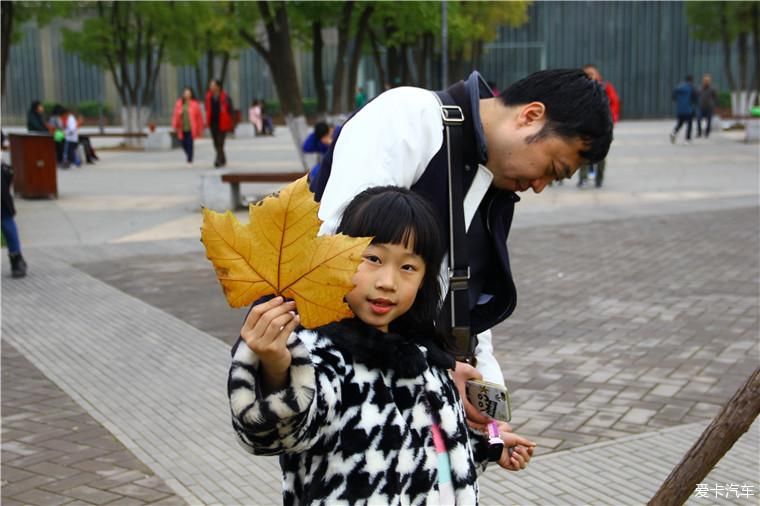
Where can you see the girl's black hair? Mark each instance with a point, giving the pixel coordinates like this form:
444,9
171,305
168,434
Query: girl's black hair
396,215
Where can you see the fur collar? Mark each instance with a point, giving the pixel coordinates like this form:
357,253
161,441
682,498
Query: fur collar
386,351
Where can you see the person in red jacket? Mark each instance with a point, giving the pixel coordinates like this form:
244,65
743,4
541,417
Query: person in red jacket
219,117
596,171
187,121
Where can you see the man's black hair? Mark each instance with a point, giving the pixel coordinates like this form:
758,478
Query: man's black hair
689,78
33,107
321,129
576,106
396,215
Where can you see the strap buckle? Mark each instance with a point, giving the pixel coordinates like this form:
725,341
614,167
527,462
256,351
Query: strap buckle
452,114
459,279
464,344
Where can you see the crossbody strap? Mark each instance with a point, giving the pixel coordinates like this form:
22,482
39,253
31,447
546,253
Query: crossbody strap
458,297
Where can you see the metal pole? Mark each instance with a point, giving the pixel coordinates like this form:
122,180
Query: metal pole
444,47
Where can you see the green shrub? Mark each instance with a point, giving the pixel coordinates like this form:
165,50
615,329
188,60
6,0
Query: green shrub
724,99
91,109
272,107
310,106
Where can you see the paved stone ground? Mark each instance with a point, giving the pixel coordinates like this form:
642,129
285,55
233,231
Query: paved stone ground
54,452
637,319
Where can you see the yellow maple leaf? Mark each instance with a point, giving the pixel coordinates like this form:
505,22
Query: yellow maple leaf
278,253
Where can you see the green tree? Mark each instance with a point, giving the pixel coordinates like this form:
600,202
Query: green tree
13,16
206,34
414,28
129,40
728,23
275,45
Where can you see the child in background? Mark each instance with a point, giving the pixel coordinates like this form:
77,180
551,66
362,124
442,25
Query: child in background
364,410
71,137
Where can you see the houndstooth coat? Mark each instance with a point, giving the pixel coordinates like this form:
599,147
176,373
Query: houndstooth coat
353,426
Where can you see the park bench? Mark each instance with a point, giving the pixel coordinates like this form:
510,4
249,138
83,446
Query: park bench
234,179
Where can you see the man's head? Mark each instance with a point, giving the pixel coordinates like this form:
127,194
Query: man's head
706,80
544,127
689,78
592,72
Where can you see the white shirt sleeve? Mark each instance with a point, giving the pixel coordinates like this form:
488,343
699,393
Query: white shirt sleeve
389,142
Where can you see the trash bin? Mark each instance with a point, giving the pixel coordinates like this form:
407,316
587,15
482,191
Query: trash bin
34,168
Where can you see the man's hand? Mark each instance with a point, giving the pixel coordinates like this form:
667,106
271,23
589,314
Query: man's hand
266,331
462,373
522,449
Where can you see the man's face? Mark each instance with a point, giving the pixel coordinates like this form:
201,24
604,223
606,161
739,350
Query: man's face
519,163
213,87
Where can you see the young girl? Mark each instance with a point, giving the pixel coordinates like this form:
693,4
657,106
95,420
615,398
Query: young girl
364,410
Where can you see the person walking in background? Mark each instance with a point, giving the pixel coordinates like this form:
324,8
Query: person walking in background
219,117
10,231
187,121
71,136
708,99
35,121
360,98
685,97
596,170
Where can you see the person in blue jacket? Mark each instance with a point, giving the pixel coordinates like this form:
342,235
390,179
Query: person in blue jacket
318,142
685,96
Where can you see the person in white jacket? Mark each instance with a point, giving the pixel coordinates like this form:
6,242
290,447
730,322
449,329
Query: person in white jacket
540,129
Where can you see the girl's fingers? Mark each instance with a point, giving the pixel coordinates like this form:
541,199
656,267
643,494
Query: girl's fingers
269,314
255,313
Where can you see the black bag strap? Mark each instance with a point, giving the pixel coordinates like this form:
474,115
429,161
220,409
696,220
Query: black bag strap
458,297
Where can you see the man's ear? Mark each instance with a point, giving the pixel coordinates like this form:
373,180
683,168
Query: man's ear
532,112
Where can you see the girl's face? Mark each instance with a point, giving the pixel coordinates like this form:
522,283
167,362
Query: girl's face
386,282
187,94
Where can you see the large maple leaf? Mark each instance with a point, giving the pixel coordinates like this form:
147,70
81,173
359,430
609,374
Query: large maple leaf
278,253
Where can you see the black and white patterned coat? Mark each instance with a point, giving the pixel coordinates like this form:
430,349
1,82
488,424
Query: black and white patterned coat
354,424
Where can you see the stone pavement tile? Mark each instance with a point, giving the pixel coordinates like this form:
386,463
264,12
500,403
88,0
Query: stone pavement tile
92,495
36,496
55,454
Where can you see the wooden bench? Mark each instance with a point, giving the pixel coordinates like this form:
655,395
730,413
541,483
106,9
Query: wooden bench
234,179
115,134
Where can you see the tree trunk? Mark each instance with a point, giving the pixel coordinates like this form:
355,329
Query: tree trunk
225,64
734,419
134,119
344,25
298,131
392,56
378,60
200,83
6,14
353,66
319,79
756,44
406,75
741,44
726,45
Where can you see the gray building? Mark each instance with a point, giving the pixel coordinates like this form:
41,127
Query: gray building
643,48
